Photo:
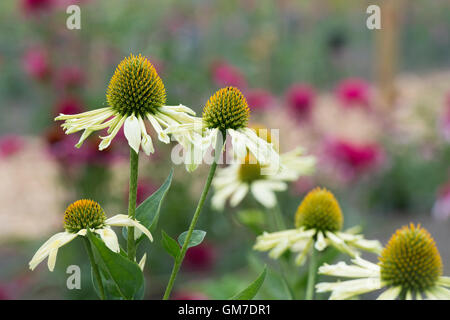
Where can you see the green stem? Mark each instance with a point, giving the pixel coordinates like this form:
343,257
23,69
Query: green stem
134,161
179,259
311,275
98,279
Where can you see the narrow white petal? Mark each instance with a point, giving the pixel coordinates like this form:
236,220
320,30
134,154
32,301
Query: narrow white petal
321,243
109,237
239,194
350,288
341,269
132,132
124,221
142,262
263,193
52,259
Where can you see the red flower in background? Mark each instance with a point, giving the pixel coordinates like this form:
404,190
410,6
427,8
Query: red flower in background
259,99
145,189
200,258
69,105
189,295
352,158
36,6
353,92
301,98
224,74
441,207
35,62
69,77
10,145
445,119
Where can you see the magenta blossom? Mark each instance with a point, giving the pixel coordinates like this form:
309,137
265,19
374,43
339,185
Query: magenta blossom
69,105
36,6
224,74
441,207
35,63
353,92
10,145
352,158
259,99
301,98
200,258
69,77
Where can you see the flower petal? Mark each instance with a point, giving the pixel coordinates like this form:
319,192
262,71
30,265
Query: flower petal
132,132
123,220
109,237
390,294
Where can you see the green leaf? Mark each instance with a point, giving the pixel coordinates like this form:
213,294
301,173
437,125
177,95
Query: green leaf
250,292
196,238
148,211
170,245
110,288
123,273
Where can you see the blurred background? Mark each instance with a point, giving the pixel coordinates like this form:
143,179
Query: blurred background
372,105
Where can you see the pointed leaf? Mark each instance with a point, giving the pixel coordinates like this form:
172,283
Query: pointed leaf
170,245
196,238
250,292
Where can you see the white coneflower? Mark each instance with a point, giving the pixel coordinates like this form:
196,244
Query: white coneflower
226,113
410,267
318,220
78,217
237,180
135,93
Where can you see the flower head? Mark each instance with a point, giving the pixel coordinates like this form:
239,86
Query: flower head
319,221
225,114
300,99
135,93
409,266
237,180
80,216
319,210
353,92
224,74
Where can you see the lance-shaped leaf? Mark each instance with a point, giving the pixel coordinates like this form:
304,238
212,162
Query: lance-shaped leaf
170,245
196,238
250,292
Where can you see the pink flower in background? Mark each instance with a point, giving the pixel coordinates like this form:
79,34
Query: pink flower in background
10,145
145,189
444,122
189,295
69,77
441,207
352,158
224,74
259,99
69,105
36,6
353,92
200,258
301,98
35,63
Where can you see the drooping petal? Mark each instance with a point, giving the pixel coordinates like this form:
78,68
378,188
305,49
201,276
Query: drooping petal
142,262
321,243
132,132
55,242
239,194
262,192
109,237
122,220
350,288
341,269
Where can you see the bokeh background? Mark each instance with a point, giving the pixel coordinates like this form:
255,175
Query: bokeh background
372,105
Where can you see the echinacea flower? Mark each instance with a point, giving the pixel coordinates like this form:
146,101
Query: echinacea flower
80,216
237,180
300,99
353,92
410,267
318,220
224,74
226,113
135,93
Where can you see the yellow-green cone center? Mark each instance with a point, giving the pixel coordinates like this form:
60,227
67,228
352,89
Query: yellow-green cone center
136,88
250,170
226,109
319,210
83,214
411,260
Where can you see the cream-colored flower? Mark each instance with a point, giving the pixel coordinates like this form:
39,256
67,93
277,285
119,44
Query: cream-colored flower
409,267
237,180
225,115
80,216
135,93
319,221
